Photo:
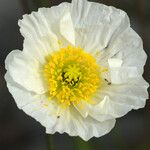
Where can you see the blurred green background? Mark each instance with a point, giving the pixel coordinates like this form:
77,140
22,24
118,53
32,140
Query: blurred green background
20,132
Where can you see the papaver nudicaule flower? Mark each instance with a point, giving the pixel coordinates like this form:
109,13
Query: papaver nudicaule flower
81,67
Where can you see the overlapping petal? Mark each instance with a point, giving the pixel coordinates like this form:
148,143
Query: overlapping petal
97,25
76,125
52,117
41,31
25,71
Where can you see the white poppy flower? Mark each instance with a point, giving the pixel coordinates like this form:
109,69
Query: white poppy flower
81,67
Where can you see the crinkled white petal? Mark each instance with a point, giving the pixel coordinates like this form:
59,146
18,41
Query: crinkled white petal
121,74
66,28
47,113
117,100
134,93
32,104
82,108
25,71
76,125
96,25
41,31
115,63
129,47
108,109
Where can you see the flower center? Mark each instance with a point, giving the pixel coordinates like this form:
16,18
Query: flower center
72,75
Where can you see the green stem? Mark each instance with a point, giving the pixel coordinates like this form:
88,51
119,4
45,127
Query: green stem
49,142
81,145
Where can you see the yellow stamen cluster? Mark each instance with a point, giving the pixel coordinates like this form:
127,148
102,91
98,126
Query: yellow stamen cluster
72,75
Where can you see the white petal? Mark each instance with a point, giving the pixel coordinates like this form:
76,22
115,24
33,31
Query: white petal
117,100
133,94
120,99
50,116
122,75
129,45
41,30
108,109
66,28
82,108
76,125
36,106
25,71
39,39
97,25
114,62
